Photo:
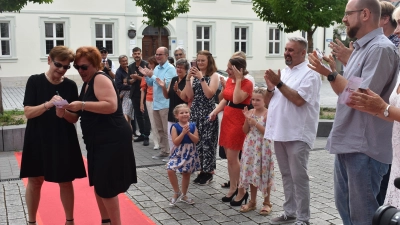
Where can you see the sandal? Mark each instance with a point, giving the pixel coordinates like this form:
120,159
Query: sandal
174,200
266,209
248,207
186,200
226,185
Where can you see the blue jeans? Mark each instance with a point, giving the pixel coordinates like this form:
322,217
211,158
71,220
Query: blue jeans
357,180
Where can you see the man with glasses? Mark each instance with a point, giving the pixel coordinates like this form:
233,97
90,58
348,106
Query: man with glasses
109,67
388,24
165,72
179,53
142,118
361,141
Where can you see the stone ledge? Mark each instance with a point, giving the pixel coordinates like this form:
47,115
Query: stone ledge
12,137
324,128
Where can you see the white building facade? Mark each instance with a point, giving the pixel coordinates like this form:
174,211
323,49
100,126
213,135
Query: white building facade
220,26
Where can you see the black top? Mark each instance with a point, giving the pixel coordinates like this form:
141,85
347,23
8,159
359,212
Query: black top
51,148
174,99
132,68
108,140
105,70
120,75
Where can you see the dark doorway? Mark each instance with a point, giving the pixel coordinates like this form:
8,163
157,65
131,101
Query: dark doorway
150,41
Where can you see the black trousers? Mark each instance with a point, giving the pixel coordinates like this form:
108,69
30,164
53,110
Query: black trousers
142,119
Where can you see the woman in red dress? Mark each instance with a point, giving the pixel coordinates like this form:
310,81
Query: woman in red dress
237,96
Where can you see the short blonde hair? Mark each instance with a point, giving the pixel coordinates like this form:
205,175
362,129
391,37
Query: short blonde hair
258,90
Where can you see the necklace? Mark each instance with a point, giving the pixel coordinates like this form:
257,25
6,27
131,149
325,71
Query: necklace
52,81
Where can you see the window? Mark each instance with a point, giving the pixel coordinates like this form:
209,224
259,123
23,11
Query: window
54,31
203,38
241,37
274,41
5,39
54,35
104,36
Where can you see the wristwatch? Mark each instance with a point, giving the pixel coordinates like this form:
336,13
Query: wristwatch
279,85
203,79
332,76
386,112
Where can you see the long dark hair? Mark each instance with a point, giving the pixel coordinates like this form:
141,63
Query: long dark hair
239,63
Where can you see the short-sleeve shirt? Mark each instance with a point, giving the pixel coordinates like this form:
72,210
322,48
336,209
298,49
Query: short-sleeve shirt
246,86
288,122
376,60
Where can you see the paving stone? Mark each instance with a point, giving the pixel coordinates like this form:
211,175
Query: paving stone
161,216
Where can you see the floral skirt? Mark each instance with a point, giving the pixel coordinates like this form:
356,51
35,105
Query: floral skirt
184,159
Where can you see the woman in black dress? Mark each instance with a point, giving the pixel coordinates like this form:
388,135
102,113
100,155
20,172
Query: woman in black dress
107,135
51,149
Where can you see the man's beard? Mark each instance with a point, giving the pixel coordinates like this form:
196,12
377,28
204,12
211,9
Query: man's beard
352,31
288,61
137,59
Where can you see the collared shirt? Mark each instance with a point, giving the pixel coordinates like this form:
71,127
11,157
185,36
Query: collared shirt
375,59
394,39
165,72
285,120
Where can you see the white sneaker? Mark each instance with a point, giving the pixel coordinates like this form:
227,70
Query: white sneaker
156,147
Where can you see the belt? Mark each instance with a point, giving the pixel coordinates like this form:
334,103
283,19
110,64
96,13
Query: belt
237,106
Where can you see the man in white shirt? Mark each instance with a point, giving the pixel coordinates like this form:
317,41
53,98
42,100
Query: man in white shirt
293,111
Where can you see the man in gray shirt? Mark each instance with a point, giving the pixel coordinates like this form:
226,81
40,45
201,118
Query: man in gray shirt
361,141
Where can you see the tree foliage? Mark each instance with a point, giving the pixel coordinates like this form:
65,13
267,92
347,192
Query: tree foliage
160,12
305,15
17,5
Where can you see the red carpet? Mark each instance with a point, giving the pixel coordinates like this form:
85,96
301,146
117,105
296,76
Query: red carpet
86,212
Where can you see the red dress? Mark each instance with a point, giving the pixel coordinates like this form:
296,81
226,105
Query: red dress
232,135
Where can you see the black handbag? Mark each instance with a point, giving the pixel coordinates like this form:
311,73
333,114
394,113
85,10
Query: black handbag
222,152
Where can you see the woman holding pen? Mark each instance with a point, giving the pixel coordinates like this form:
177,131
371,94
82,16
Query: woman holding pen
51,149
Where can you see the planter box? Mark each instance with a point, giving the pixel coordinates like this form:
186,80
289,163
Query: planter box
12,137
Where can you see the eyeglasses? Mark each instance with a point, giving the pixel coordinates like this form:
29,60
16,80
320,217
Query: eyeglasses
103,52
180,54
348,13
59,65
159,54
83,67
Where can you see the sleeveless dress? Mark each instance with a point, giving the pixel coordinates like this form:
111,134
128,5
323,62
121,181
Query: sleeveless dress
127,107
208,130
393,194
108,140
232,135
257,165
51,147
184,158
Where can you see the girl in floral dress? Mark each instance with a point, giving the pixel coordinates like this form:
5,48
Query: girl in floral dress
256,165
184,157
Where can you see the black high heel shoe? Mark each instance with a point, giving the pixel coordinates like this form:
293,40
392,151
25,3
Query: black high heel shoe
228,199
239,203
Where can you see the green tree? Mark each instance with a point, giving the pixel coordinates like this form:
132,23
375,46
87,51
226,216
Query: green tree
305,15
17,5
160,12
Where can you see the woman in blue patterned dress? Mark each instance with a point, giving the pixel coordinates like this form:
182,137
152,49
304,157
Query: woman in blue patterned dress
183,158
204,82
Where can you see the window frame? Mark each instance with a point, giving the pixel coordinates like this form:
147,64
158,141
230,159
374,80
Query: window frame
54,38
42,27
13,53
212,25
115,39
249,37
280,41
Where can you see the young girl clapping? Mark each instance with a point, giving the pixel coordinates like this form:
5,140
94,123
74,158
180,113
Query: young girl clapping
257,166
184,158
